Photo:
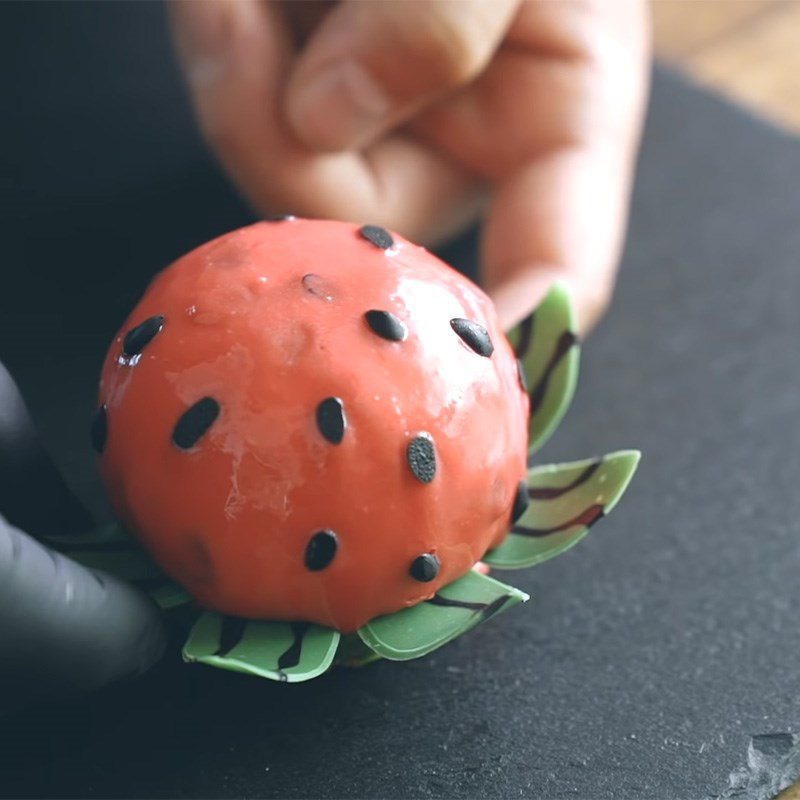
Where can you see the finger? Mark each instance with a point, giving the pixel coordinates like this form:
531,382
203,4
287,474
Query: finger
370,66
560,218
33,494
561,211
235,56
64,627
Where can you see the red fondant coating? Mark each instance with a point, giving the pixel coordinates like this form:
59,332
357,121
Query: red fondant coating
269,321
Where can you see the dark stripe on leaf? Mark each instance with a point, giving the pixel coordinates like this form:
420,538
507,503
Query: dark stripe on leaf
438,600
525,337
552,492
565,342
585,519
233,629
493,607
291,657
486,609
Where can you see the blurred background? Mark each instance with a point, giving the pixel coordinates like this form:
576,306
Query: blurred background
745,49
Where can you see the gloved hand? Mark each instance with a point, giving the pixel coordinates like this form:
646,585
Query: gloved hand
63,627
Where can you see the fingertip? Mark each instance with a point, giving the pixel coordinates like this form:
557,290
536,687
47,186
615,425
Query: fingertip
147,639
515,297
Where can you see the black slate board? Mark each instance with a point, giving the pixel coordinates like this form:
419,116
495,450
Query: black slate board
649,656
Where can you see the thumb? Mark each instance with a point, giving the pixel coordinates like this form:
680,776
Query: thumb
370,66
65,627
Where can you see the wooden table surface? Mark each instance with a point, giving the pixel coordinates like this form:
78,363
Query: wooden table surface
748,51
745,49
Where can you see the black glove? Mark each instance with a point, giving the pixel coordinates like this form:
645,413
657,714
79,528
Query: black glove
63,627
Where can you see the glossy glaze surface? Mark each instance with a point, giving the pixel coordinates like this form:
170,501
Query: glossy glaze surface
269,321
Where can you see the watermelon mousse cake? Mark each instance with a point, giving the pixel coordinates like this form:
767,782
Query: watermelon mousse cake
316,438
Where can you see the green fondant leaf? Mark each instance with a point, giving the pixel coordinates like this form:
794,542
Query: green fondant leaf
455,609
546,345
280,651
110,549
565,501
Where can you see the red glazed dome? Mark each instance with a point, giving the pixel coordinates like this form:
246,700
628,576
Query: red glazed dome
303,420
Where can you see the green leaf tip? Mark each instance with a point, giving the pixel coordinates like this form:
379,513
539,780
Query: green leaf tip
452,611
289,652
566,500
546,344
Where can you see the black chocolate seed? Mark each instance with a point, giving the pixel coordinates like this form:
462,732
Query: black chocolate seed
474,335
331,420
136,339
387,325
99,430
378,236
523,381
521,501
421,456
194,422
320,550
425,568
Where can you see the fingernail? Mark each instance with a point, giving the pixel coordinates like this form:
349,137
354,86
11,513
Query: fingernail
203,33
339,108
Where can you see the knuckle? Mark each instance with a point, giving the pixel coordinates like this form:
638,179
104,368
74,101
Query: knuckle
456,49
444,52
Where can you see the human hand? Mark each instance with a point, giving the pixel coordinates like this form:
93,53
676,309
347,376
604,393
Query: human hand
63,627
417,115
